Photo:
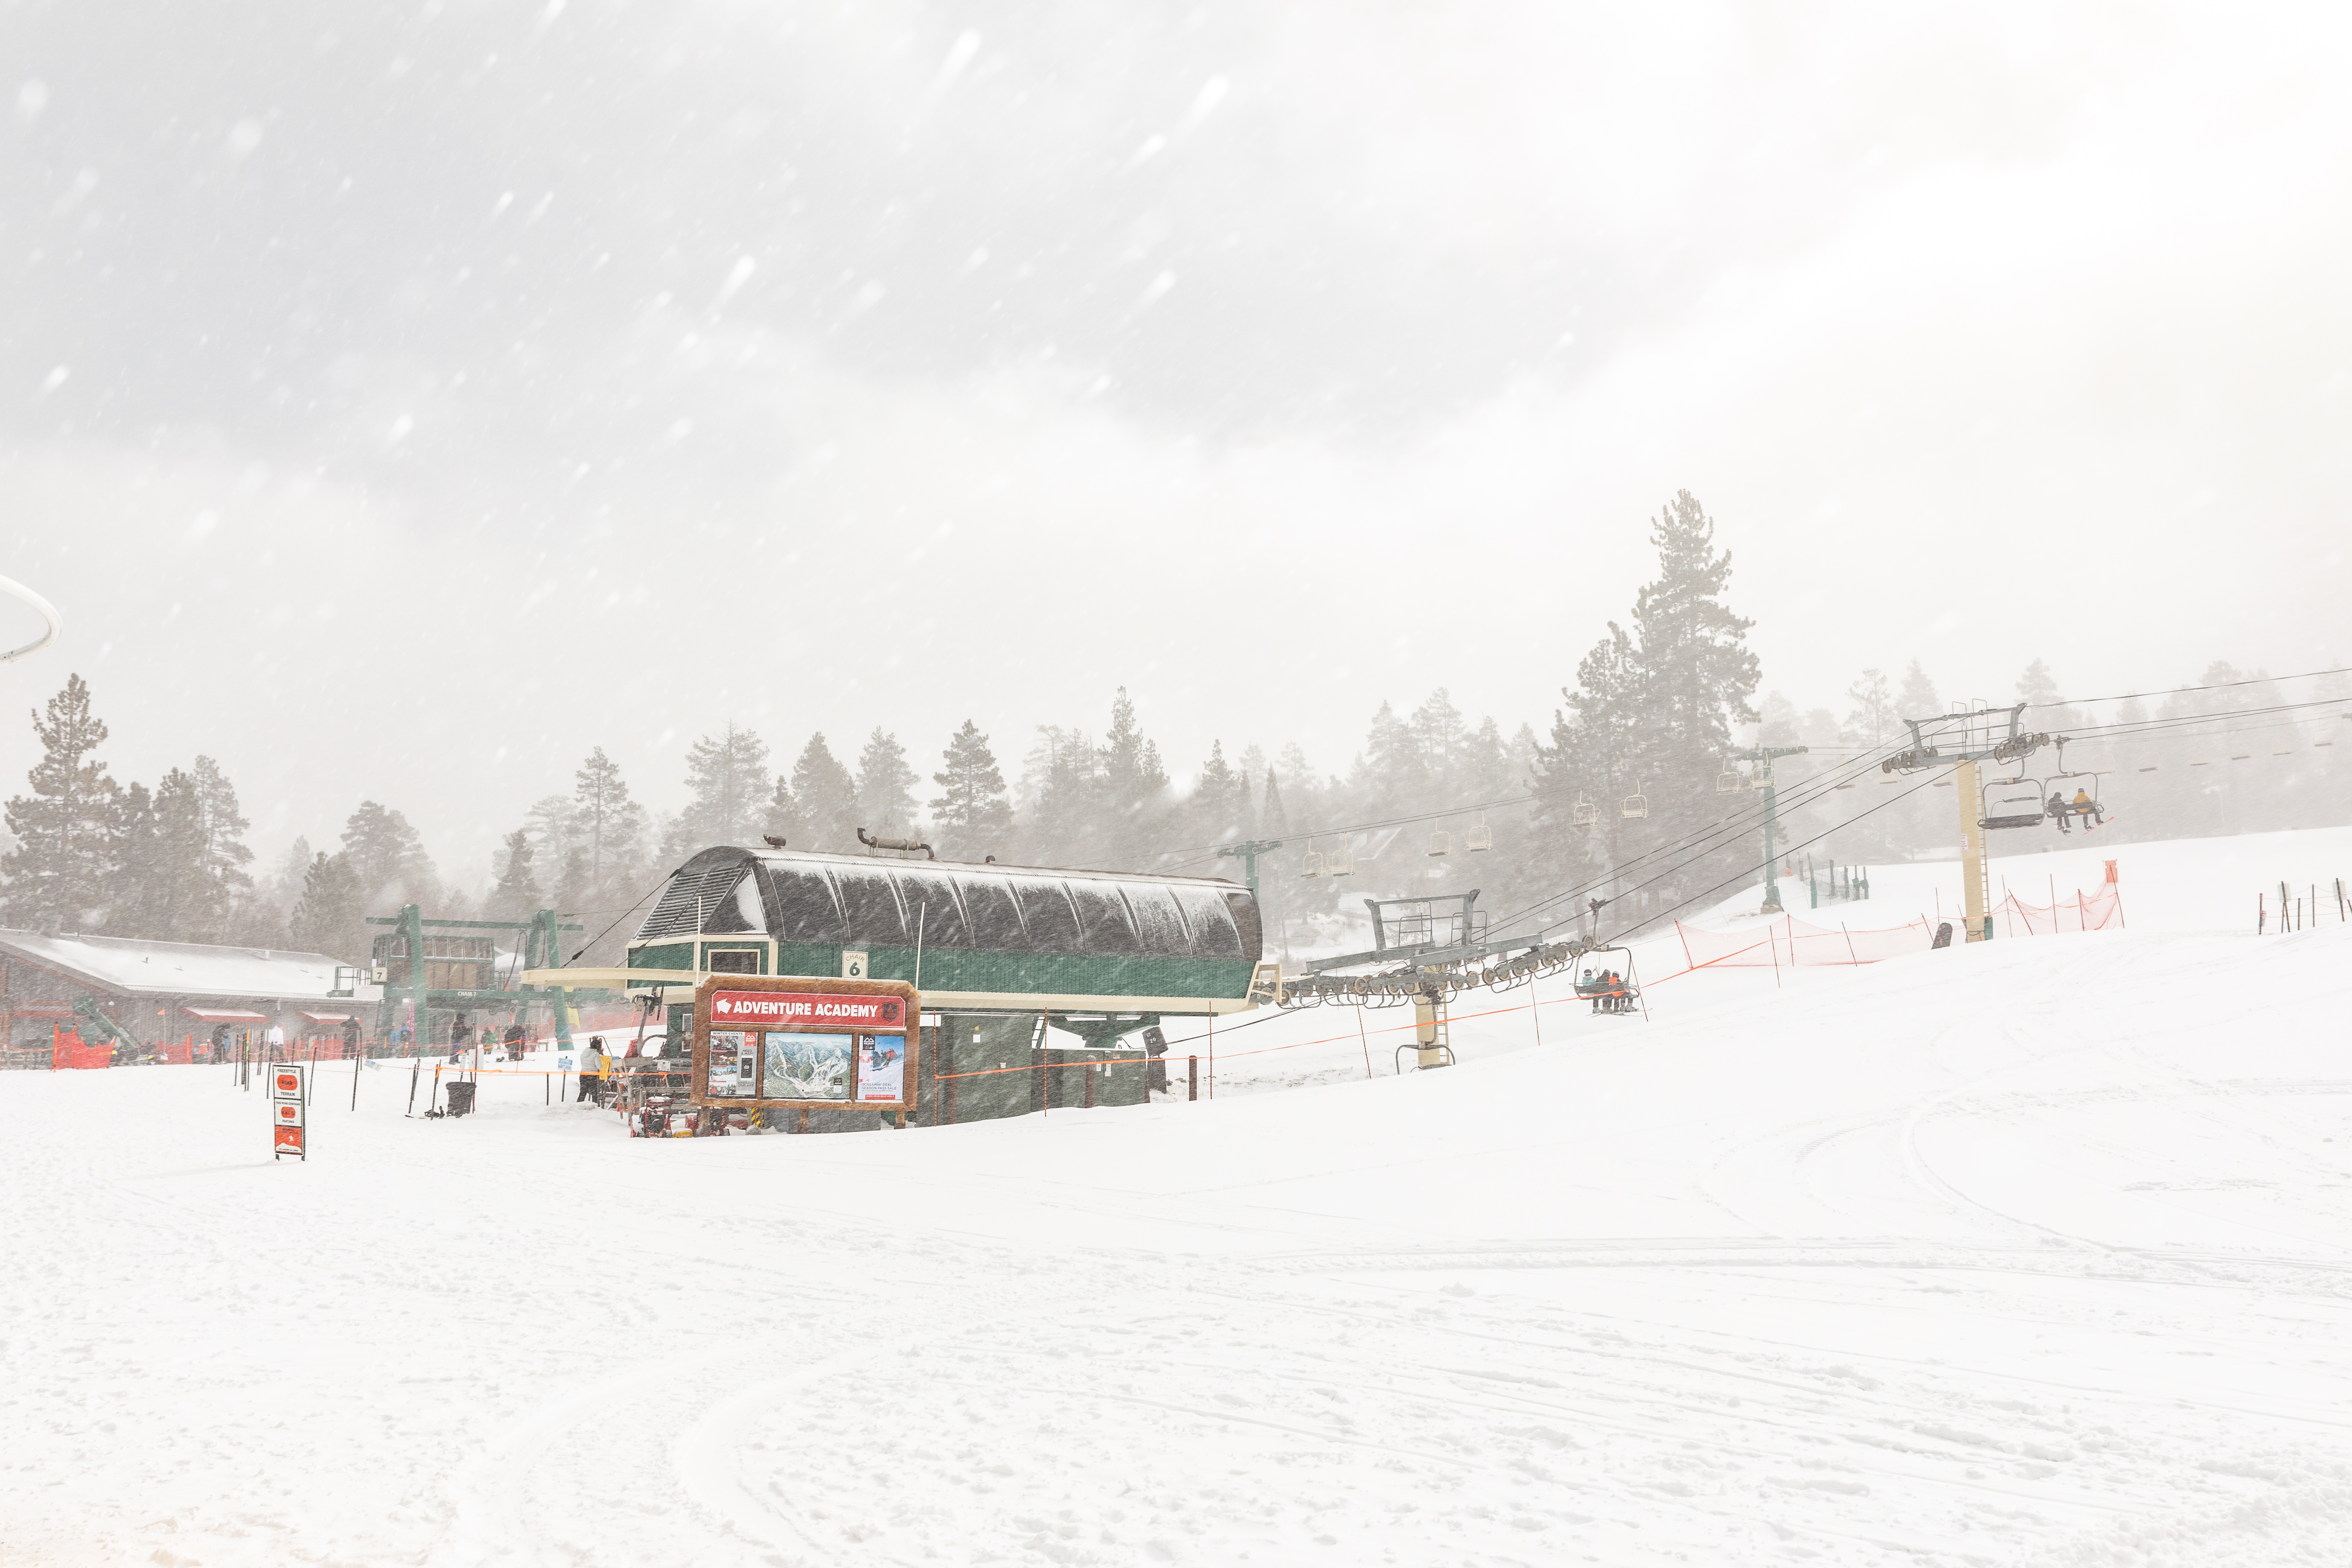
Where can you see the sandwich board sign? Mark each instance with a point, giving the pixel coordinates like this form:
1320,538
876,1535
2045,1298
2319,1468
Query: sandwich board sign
777,1042
287,1111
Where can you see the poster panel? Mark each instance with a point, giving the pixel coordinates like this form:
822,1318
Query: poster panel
733,1069
881,1069
802,1064
781,1041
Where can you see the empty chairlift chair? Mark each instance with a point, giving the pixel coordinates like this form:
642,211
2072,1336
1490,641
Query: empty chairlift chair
1728,781
1311,863
1635,805
1440,841
1479,837
1341,862
1584,814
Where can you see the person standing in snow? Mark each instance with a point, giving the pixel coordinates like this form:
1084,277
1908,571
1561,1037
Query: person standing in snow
591,1070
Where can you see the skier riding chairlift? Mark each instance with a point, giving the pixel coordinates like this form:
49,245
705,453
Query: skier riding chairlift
2064,812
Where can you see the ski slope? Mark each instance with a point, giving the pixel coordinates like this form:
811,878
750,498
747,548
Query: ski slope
2029,1252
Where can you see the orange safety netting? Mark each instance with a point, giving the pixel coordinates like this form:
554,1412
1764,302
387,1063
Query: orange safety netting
2085,912
1790,941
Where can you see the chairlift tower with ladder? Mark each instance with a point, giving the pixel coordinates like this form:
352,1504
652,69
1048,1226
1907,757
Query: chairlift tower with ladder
1963,740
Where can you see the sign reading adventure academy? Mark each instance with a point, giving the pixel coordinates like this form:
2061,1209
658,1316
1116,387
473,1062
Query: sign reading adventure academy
805,1043
805,1010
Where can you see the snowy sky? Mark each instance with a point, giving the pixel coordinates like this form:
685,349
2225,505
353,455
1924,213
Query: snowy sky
400,399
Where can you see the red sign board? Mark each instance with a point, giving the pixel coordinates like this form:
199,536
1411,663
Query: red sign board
288,1140
805,1010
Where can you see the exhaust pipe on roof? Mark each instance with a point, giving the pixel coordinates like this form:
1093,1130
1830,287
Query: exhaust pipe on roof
907,844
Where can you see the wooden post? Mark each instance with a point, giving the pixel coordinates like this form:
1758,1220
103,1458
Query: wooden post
1192,1076
1362,1040
1090,1086
1045,1057
1213,1053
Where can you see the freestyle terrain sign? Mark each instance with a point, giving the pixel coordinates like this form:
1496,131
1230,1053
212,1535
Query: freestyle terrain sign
790,1010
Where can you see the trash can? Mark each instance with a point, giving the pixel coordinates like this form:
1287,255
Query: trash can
461,1098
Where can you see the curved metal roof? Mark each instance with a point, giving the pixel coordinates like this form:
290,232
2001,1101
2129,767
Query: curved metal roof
856,901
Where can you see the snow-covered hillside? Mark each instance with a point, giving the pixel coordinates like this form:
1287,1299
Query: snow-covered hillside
2029,1252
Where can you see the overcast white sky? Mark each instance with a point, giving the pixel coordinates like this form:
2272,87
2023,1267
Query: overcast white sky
400,399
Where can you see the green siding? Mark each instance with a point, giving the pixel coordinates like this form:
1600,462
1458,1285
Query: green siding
1015,973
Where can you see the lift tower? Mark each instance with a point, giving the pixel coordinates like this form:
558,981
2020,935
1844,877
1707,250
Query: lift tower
1962,741
1762,756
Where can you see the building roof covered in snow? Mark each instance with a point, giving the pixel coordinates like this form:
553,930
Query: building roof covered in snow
126,966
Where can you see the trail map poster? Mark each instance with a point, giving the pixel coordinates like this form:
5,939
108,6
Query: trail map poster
805,1067
786,1041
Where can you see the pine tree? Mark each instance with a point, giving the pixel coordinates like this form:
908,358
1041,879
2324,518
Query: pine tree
58,873
387,859
1870,722
726,779
1220,798
1918,700
1440,741
1696,676
826,796
517,896
885,787
610,828
131,865
1133,789
1060,800
223,826
329,917
781,821
1586,767
1389,776
187,889
2037,687
971,809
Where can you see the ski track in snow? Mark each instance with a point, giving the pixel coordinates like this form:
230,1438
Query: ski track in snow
2030,1253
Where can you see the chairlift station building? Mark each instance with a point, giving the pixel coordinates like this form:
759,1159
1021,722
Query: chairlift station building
995,951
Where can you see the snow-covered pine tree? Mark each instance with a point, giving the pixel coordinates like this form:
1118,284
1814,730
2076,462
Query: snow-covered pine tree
826,797
885,787
970,812
58,873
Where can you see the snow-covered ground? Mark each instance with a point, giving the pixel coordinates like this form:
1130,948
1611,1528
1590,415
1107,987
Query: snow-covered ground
2029,1252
